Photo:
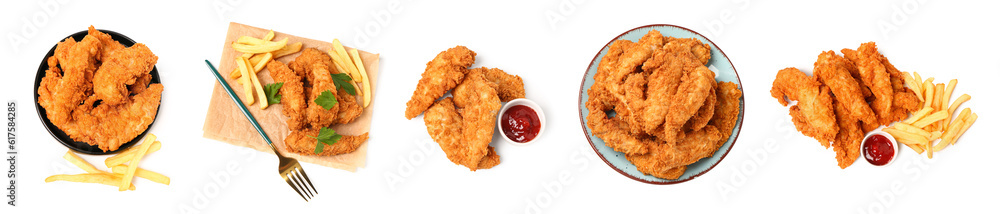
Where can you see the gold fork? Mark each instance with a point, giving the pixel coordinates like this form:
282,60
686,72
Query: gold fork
288,168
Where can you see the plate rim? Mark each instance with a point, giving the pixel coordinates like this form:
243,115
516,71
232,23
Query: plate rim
591,143
43,66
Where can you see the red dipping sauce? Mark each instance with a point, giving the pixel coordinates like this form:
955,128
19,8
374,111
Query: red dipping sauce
520,123
878,150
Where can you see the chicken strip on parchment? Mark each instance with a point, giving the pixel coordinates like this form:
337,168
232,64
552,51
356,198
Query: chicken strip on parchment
120,70
443,73
301,142
303,64
317,115
813,115
293,102
832,71
477,97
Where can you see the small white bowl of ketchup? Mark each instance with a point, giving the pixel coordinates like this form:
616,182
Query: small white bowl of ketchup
521,121
879,148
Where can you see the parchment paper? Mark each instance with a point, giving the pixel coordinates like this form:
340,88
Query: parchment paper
225,122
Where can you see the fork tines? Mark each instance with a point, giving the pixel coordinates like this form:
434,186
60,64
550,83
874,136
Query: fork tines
297,178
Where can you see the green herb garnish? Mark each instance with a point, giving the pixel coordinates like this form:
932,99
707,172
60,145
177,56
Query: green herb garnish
343,81
326,136
326,99
271,91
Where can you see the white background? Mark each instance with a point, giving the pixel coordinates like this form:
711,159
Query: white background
771,168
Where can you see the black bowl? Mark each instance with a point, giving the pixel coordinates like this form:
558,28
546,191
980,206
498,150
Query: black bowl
59,135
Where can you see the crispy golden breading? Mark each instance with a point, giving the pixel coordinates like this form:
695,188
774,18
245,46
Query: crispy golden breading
443,73
509,87
667,107
299,141
316,115
480,105
813,115
120,70
293,100
832,71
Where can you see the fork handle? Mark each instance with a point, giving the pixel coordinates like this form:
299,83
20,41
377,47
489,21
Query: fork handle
240,104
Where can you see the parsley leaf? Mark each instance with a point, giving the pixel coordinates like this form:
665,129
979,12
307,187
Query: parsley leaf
343,81
326,99
326,136
271,90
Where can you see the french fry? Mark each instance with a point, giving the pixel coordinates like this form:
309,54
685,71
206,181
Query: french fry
247,87
965,126
79,162
911,129
915,148
288,49
936,116
935,135
930,151
938,96
913,85
143,173
266,46
345,60
253,60
338,63
269,36
126,179
126,155
918,115
945,99
259,65
906,137
948,133
364,77
247,40
928,92
257,87
958,102
96,178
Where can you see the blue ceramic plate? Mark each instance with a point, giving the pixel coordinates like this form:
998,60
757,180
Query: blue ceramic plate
724,72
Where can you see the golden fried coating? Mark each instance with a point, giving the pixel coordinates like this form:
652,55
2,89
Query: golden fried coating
480,105
443,73
509,87
813,115
316,115
120,70
299,141
293,100
655,101
832,71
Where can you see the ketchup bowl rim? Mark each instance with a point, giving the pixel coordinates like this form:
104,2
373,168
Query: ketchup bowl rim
530,104
895,147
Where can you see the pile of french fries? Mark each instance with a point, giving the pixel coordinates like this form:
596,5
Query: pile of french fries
933,123
124,167
350,62
256,54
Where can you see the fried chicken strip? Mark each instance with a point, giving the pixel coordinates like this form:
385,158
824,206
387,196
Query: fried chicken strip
443,73
109,126
664,157
299,141
509,87
60,94
292,95
477,97
848,141
691,94
832,71
121,69
813,115
109,44
875,76
316,115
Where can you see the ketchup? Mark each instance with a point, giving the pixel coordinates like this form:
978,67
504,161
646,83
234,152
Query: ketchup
878,150
520,123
